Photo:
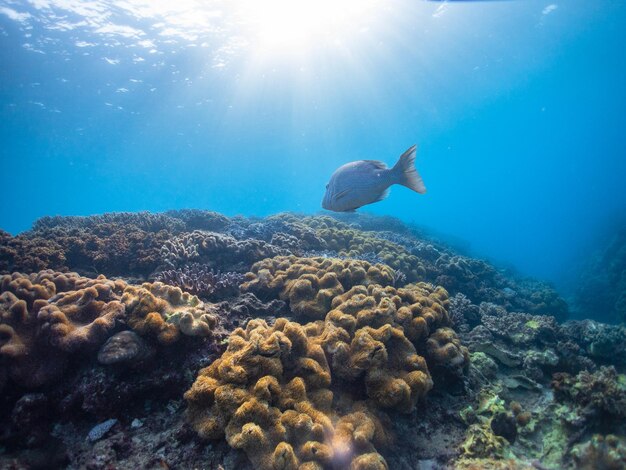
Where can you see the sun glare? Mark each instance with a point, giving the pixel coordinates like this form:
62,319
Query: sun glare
295,24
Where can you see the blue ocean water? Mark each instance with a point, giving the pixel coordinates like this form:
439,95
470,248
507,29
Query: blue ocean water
517,108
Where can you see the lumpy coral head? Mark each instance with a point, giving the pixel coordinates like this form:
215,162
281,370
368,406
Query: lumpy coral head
165,312
269,395
311,284
81,319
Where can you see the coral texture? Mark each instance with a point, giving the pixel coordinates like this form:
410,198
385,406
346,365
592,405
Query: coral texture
45,315
202,281
216,250
269,395
311,284
166,312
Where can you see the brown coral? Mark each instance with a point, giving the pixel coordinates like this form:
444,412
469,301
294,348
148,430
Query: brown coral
270,395
445,352
418,309
47,314
82,318
216,250
29,364
311,284
355,243
266,395
93,245
166,312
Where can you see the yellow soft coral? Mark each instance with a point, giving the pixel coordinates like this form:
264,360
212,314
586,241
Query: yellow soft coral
81,318
40,322
269,395
445,352
354,243
311,284
276,391
166,312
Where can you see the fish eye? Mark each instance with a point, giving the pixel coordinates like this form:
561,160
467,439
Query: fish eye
327,186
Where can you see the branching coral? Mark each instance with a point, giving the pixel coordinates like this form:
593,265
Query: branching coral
521,328
201,281
286,231
148,221
111,249
599,340
196,219
24,254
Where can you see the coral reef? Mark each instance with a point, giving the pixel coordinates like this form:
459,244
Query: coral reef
271,375
39,323
311,284
601,452
202,281
269,395
354,243
111,249
82,318
196,219
29,255
47,315
285,231
600,396
217,250
356,357
125,347
166,312
599,340
464,315
445,354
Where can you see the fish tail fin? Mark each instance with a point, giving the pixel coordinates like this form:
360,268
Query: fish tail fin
406,173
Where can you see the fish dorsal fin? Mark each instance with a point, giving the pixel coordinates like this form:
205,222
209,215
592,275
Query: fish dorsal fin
377,164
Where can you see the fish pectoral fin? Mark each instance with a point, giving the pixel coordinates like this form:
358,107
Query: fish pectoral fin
341,194
382,195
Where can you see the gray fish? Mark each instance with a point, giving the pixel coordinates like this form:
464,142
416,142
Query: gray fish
356,184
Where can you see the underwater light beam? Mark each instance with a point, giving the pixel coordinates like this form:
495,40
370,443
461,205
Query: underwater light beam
291,25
